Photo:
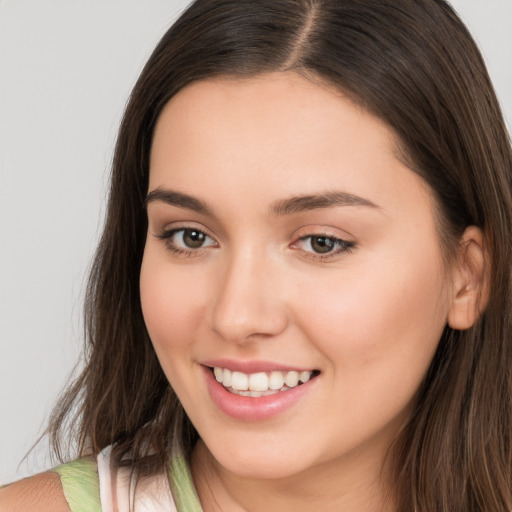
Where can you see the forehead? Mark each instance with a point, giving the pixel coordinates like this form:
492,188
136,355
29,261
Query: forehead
274,136
278,100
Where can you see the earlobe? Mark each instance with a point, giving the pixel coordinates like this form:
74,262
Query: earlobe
470,291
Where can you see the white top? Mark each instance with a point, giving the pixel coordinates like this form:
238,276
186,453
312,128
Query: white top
118,494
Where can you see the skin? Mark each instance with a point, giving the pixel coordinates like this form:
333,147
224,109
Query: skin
368,318
41,492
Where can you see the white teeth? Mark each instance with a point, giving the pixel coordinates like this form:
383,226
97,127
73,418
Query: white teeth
239,381
219,374
261,383
276,380
291,379
258,382
303,377
256,394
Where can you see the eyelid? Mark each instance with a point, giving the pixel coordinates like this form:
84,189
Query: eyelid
179,225
341,243
322,230
167,232
345,244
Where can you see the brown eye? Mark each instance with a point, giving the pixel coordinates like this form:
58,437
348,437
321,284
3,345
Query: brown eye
193,239
322,244
186,240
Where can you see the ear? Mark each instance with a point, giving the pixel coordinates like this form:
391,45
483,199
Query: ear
470,280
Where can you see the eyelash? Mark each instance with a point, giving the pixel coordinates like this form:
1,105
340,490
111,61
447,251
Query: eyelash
340,245
167,237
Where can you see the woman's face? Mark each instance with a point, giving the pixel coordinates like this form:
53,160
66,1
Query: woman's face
287,240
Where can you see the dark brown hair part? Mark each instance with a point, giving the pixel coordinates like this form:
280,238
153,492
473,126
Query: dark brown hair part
413,64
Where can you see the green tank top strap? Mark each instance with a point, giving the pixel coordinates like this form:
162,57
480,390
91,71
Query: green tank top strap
80,484
183,490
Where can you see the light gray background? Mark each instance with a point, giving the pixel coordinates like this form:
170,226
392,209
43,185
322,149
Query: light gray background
66,69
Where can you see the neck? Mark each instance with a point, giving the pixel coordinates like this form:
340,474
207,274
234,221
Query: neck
350,485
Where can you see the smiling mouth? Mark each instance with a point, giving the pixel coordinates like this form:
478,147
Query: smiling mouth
262,383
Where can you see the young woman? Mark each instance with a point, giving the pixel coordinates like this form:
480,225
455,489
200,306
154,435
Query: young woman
302,296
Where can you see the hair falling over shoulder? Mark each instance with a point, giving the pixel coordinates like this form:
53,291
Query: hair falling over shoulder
414,65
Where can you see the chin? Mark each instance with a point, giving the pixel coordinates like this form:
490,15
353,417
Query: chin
269,462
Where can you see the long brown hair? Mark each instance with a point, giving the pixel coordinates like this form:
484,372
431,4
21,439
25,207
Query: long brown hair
413,64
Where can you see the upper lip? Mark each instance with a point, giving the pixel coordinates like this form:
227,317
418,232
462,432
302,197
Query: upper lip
253,366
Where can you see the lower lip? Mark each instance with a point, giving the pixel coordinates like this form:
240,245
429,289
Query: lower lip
253,408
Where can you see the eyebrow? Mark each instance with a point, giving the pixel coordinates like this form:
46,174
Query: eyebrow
317,201
179,199
281,207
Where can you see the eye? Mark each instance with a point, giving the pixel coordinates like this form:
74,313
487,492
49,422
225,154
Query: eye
319,246
191,238
186,240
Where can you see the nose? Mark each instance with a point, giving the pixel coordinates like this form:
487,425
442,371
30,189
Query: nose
249,303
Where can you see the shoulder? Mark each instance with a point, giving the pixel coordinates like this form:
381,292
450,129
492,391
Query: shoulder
41,492
70,487
80,482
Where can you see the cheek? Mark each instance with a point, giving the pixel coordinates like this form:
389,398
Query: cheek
172,304
378,329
